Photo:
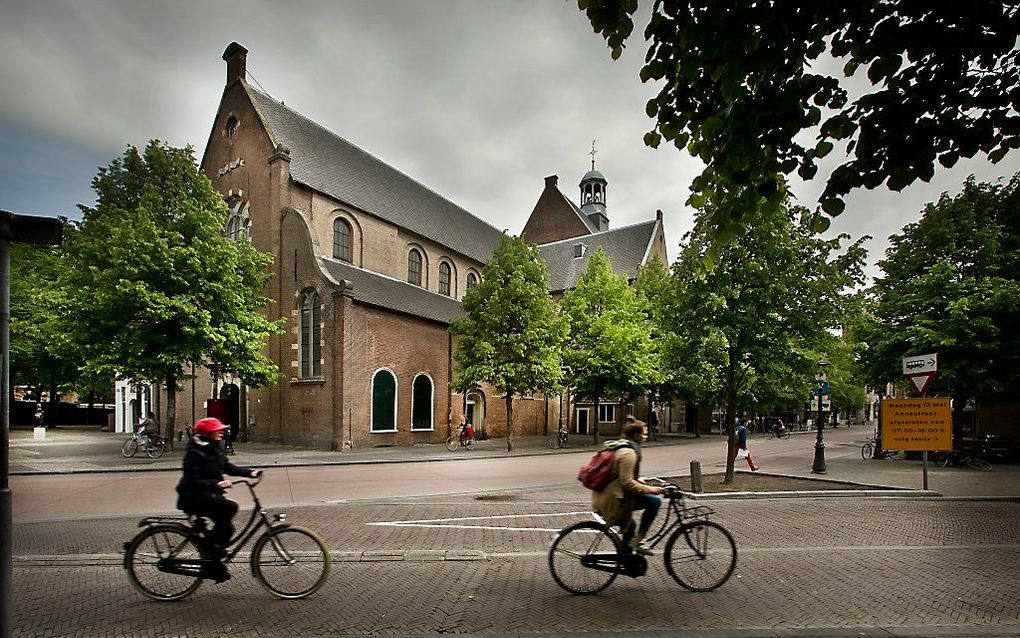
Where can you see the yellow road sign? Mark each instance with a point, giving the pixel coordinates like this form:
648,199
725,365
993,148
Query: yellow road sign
917,424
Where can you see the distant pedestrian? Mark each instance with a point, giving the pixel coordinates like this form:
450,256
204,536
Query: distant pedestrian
742,447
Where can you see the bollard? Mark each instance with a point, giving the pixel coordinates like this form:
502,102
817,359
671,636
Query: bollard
696,477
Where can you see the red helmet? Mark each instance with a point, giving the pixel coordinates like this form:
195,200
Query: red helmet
209,424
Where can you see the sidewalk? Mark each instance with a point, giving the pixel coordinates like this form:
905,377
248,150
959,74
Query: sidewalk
71,450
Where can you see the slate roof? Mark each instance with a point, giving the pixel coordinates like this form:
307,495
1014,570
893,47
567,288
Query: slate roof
392,294
626,247
324,161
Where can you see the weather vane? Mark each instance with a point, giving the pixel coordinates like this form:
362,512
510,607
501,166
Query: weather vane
593,151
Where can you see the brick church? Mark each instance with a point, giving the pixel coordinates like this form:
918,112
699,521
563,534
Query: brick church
370,267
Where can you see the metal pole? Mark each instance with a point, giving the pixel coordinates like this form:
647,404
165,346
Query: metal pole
818,467
6,519
924,470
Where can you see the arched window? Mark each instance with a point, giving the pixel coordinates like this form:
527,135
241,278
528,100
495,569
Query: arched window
238,220
384,401
422,401
414,267
341,239
310,363
472,281
444,278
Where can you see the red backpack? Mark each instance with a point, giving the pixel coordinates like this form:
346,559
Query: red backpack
597,473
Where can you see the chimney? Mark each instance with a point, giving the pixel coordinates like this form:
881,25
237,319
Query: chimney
236,57
658,215
550,182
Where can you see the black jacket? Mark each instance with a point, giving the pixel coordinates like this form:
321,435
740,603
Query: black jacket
204,466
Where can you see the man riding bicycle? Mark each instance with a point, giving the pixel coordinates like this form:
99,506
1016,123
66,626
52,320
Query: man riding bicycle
201,489
617,502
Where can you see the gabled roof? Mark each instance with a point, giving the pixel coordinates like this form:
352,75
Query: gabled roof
324,161
584,216
392,294
627,248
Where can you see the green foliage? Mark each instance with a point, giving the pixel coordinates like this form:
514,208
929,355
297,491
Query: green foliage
747,332
951,286
152,284
609,351
741,81
511,334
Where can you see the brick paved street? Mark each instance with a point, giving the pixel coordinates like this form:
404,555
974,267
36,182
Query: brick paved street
833,566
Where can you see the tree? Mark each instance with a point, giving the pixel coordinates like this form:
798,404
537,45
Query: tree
511,335
651,285
152,284
609,350
951,286
750,329
741,82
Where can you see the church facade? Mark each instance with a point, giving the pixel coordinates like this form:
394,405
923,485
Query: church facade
370,267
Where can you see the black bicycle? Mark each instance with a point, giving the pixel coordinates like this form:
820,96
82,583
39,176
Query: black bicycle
171,556
777,432
869,450
700,554
558,441
153,444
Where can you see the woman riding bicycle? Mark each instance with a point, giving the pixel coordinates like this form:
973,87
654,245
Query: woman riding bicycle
617,502
201,489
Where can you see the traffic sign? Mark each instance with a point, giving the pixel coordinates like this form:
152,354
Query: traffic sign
916,424
921,381
826,404
921,363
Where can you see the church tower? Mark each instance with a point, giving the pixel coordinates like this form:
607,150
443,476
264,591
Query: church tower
593,196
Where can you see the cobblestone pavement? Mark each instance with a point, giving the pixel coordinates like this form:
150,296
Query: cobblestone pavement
456,564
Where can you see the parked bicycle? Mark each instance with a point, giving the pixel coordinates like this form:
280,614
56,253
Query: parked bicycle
700,554
465,438
171,556
559,440
154,445
869,448
777,431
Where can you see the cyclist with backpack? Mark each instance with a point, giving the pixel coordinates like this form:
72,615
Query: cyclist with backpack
617,501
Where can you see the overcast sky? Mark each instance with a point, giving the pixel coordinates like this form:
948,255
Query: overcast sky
478,100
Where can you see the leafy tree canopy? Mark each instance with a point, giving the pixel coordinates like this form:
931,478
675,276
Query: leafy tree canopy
951,286
742,80
511,334
609,351
152,284
748,331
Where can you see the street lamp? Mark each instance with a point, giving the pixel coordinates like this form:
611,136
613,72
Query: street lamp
821,379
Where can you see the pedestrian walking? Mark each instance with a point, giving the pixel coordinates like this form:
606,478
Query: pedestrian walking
742,452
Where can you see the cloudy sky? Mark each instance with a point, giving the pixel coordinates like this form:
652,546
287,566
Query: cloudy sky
478,100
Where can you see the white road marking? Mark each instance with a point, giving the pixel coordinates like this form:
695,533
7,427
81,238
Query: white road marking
453,522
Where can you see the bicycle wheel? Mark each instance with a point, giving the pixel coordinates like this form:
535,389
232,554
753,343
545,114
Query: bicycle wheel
290,562
785,434
155,450
469,442
452,443
146,556
770,434
584,558
129,448
941,459
867,450
555,442
701,555
978,463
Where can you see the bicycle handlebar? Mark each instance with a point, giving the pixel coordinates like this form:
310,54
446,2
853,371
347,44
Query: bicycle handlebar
672,490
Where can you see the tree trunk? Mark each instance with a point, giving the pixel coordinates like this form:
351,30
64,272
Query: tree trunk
171,410
731,433
595,428
509,421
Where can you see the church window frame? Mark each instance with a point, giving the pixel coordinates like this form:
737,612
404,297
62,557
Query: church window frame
231,126
238,224
472,282
446,278
342,234
310,335
415,261
383,413
420,422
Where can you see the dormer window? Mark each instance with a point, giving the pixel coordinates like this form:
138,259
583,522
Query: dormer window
579,250
232,126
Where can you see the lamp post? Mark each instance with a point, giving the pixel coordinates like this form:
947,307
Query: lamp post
818,467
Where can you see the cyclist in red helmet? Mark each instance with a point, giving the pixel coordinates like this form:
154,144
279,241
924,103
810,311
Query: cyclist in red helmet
201,489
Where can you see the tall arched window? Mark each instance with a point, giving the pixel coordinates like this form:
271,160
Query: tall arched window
341,239
384,401
472,281
238,220
422,401
310,363
444,278
414,267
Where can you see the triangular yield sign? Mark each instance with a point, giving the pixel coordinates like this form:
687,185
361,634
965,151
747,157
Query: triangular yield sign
921,381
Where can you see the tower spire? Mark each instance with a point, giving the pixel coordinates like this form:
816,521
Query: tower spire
593,151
